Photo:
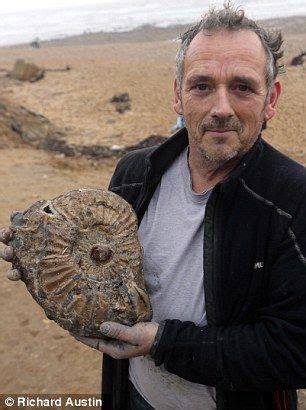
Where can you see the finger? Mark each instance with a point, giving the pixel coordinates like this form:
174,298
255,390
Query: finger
13,214
88,341
118,331
117,349
13,274
5,235
7,253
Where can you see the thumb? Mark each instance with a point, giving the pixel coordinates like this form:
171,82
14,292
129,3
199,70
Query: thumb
117,331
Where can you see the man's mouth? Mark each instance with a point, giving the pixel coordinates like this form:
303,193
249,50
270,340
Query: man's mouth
220,131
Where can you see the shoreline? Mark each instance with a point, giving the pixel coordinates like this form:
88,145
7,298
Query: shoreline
150,33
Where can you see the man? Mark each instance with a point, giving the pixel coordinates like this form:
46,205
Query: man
221,217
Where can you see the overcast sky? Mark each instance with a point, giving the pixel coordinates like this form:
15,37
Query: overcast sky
14,5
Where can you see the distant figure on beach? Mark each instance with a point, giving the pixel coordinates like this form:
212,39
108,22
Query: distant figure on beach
222,224
35,43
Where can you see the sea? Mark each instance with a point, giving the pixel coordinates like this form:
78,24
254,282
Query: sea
44,21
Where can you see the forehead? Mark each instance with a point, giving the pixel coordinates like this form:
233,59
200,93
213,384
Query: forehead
239,50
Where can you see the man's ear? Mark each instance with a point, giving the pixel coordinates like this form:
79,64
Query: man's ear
270,109
177,104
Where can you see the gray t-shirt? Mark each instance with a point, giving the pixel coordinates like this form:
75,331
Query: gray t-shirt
171,234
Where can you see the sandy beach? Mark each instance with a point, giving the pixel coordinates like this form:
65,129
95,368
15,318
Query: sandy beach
37,356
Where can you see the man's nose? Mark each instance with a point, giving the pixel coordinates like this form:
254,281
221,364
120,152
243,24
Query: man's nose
222,106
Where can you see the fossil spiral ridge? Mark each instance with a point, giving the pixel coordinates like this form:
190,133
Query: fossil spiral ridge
81,260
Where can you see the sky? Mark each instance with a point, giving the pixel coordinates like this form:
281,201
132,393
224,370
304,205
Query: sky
22,5
17,5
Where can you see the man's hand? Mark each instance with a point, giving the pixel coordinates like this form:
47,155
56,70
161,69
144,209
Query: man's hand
6,253
129,341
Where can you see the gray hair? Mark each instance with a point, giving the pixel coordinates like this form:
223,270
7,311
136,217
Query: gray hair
233,18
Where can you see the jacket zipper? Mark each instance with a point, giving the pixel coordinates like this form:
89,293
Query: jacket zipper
146,186
212,310
285,399
210,257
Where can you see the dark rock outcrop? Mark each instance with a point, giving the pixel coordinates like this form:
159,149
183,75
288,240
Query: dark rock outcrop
26,71
122,102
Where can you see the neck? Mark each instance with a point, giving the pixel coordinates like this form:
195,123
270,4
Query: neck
206,174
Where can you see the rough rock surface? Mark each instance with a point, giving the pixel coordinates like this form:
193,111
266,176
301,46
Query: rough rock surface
39,132
299,59
80,259
26,71
122,102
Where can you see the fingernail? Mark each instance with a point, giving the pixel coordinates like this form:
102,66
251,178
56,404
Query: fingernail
5,235
13,214
77,337
105,328
13,274
6,253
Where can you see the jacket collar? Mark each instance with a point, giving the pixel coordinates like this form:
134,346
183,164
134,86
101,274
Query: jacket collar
163,156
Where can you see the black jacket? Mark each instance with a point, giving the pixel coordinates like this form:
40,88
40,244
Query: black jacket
253,349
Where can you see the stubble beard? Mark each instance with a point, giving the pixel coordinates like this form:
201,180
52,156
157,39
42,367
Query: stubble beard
219,156
220,152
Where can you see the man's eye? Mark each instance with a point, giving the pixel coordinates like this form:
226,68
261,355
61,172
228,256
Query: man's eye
202,87
242,88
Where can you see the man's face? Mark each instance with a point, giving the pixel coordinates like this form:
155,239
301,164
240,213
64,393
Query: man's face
224,94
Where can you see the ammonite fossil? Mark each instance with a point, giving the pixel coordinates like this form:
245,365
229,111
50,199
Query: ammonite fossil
80,259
